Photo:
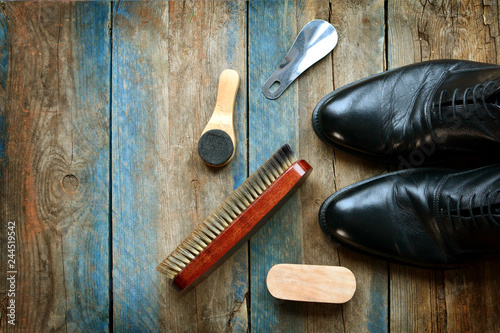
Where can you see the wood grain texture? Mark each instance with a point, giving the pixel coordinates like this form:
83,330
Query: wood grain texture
458,300
54,161
360,53
272,29
313,85
167,58
443,30
56,62
311,283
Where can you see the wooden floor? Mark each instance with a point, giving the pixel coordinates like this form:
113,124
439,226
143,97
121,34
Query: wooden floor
101,108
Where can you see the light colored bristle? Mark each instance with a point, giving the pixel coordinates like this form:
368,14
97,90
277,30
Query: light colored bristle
228,211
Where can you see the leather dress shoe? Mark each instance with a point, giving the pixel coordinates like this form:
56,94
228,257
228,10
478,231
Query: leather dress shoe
426,217
419,114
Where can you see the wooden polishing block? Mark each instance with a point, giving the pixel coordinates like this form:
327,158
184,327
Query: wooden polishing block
311,283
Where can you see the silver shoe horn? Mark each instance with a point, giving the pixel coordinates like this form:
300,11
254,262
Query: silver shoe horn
314,41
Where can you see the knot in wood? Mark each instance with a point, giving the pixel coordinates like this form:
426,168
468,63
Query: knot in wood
70,183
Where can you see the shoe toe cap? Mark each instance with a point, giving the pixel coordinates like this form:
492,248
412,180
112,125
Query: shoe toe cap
358,221
350,117
369,218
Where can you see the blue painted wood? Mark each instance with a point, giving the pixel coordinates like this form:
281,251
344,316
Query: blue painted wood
272,30
235,48
55,154
4,71
87,248
167,58
54,163
4,160
136,287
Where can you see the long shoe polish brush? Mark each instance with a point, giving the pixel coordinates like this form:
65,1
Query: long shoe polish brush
236,220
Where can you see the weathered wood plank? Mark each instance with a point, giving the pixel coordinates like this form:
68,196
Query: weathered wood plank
417,299
458,300
272,30
453,29
360,53
167,58
472,298
54,162
313,85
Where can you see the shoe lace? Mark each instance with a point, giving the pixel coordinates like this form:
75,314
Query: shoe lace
473,213
477,94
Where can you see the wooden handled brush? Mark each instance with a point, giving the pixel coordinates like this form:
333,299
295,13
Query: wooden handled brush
217,143
236,220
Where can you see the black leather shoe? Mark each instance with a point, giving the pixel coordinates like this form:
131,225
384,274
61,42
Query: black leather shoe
427,217
420,114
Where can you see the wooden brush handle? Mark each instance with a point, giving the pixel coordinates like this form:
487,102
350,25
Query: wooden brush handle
222,117
311,283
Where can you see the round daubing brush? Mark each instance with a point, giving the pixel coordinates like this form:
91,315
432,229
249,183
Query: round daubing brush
217,142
